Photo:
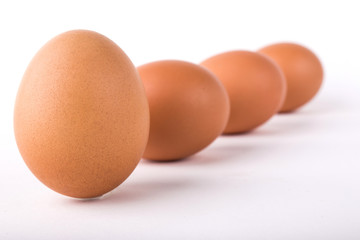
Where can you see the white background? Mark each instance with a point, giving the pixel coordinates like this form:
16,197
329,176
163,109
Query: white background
296,177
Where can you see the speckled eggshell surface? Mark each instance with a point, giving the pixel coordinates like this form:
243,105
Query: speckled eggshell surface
302,69
81,117
255,84
189,108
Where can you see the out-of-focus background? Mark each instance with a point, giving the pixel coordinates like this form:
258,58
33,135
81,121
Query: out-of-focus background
296,177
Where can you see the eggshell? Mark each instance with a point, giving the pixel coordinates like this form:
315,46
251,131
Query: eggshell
189,108
81,116
255,84
302,69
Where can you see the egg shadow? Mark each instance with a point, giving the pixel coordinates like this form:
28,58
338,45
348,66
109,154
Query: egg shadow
137,192
289,124
221,155
285,125
258,142
142,191
322,105
234,152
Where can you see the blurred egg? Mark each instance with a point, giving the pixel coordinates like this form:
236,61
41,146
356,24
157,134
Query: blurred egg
255,84
81,117
302,70
189,108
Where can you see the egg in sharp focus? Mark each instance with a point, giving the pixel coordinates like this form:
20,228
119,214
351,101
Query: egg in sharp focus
189,108
302,69
255,84
81,117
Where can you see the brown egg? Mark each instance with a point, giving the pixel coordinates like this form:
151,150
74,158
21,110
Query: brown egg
189,108
81,116
255,84
302,70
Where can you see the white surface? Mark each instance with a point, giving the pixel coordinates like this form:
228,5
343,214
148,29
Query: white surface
296,177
